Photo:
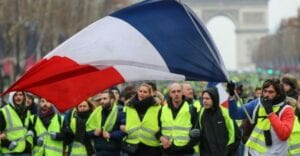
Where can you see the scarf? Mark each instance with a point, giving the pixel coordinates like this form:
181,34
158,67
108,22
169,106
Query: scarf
46,116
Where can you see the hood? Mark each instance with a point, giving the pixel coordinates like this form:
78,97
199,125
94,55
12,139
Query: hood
11,97
214,94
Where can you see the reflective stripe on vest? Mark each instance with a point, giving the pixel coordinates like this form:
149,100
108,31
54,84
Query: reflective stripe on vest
50,146
256,140
177,130
15,130
111,119
294,139
78,149
142,131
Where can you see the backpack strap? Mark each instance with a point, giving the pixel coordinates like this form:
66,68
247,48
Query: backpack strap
277,113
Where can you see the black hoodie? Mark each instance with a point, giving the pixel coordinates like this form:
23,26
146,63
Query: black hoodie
214,134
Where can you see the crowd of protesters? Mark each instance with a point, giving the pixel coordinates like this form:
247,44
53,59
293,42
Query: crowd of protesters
143,122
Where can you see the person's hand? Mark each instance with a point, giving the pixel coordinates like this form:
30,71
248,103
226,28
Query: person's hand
230,88
40,141
105,135
53,135
267,105
97,132
195,133
165,142
2,136
122,128
12,145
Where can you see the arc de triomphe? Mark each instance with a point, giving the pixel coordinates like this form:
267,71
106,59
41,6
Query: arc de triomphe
249,16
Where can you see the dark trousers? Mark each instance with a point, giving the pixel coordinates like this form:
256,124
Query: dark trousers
107,153
145,150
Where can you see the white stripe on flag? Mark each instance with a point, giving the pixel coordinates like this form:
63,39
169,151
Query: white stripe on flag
132,73
111,41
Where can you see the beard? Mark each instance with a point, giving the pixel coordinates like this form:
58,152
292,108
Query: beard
106,105
45,109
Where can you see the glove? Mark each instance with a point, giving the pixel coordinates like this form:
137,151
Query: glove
267,105
12,145
230,88
195,133
40,141
29,133
53,135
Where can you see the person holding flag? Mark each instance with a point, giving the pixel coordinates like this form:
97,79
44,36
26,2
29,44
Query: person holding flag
271,117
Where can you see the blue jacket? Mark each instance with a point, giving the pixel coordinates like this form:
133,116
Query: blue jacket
238,113
116,135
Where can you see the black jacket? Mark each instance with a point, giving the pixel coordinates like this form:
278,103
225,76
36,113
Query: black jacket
214,134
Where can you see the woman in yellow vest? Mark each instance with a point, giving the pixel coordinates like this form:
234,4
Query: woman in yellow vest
81,144
294,140
142,124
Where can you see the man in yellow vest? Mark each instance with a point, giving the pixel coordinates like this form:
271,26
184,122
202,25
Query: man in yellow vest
217,128
48,130
177,119
273,119
15,138
107,142
294,141
189,95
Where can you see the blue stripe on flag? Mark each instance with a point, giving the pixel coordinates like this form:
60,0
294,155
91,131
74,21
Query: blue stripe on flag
168,26
211,84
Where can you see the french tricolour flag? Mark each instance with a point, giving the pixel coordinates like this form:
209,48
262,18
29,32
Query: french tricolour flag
151,40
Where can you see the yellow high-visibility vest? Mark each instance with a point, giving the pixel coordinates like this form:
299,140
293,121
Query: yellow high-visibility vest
50,146
177,130
294,140
15,130
142,131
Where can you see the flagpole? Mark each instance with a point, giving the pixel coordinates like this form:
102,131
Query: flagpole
243,107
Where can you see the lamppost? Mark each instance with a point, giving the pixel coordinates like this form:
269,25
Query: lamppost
17,52
1,84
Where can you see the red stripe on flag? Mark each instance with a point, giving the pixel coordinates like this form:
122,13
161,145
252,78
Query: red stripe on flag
66,83
224,104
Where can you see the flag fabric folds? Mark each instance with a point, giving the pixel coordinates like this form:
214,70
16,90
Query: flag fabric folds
151,40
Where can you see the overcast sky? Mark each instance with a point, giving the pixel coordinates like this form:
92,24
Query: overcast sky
225,37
